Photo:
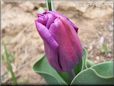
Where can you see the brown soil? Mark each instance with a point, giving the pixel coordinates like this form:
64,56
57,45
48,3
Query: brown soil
94,19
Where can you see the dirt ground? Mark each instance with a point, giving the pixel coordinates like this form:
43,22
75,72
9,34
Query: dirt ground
94,19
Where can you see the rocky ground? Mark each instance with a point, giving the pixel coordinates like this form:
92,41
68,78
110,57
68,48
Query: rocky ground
94,19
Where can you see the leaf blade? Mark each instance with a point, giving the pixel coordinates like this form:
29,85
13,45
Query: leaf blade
90,76
43,68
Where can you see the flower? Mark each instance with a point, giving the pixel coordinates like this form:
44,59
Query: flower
61,42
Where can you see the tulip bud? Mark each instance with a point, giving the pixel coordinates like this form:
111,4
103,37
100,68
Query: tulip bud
62,45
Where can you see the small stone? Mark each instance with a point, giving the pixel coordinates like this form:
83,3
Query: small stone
109,55
97,58
101,41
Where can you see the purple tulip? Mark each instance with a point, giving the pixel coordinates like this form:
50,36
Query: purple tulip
62,45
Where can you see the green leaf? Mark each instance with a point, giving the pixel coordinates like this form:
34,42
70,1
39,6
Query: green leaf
98,74
6,57
65,76
82,64
84,58
105,69
43,68
89,63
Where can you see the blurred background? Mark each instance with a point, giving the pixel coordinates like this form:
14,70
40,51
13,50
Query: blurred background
24,45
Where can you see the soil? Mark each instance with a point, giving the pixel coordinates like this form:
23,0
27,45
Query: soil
93,18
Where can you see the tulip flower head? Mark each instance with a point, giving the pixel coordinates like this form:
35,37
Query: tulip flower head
61,42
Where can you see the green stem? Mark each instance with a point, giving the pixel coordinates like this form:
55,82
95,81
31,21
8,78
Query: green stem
49,4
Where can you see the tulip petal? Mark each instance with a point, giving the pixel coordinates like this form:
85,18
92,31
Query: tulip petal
75,37
59,15
61,42
41,20
50,20
52,56
46,36
66,38
51,46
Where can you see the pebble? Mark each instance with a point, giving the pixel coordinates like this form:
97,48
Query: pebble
97,58
101,41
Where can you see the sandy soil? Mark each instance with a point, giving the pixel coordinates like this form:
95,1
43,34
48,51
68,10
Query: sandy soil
94,20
